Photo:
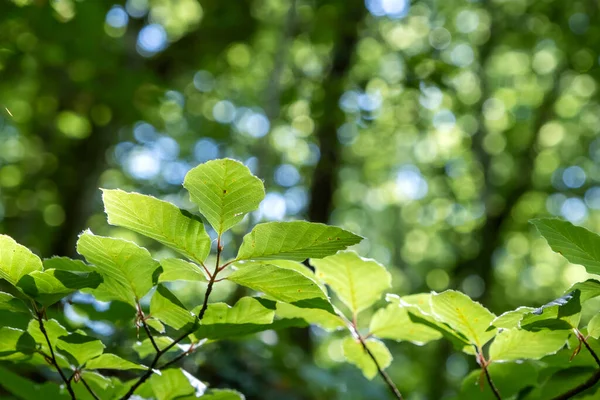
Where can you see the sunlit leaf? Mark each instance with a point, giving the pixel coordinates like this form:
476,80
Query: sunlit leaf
80,347
14,340
16,260
510,319
589,289
357,281
166,307
222,394
175,269
576,244
224,190
247,316
356,354
393,322
9,302
174,384
129,271
322,318
281,284
562,313
463,315
593,328
159,220
49,286
518,344
296,240
112,361
145,348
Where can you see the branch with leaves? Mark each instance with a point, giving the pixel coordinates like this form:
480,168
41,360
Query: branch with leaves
269,261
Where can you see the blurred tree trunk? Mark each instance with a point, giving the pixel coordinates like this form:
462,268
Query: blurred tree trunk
343,19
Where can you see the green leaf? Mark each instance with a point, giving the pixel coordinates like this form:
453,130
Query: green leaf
9,302
576,244
357,281
28,390
420,311
174,384
155,324
68,264
564,381
509,378
175,269
166,307
53,329
562,313
49,286
463,315
393,322
222,394
15,341
322,318
129,271
112,361
222,321
80,347
16,260
356,354
517,344
225,190
282,284
589,289
593,328
159,220
297,241
510,319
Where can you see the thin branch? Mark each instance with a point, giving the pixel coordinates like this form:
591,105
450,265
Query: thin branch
484,366
383,374
186,353
142,318
353,327
160,353
89,389
587,345
52,359
581,388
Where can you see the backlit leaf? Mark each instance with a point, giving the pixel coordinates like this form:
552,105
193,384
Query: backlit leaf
16,260
393,322
357,281
296,240
168,309
159,220
281,284
463,315
112,361
129,271
518,344
49,286
175,269
224,190
80,347
576,244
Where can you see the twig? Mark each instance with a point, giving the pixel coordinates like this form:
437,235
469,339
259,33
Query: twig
353,327
179,357
142,318
383,374
89,389
591,381
40,318
160,353
484,366
578,389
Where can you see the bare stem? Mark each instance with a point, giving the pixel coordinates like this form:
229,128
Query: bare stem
484,366
160,353
89,389
52,359
592,379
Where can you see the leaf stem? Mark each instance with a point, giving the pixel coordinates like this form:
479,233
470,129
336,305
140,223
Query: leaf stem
89,389
40,318
354,330
592,379
484,366
142,318
160,353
